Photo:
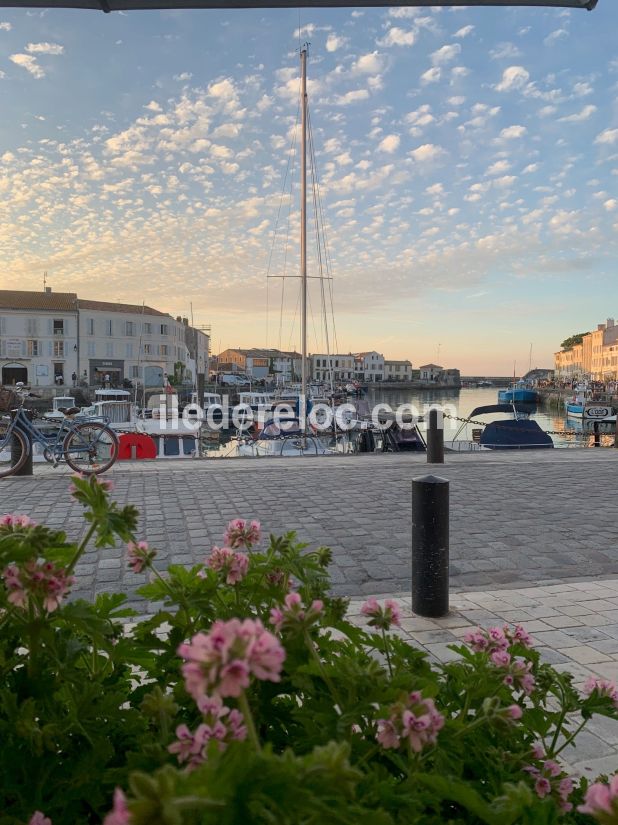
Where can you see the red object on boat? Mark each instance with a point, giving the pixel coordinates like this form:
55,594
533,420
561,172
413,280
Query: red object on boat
136,446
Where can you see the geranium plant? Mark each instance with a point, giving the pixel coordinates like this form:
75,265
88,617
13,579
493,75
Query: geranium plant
250,697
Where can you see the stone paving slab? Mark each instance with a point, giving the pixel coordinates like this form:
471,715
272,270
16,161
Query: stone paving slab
517,519
570,649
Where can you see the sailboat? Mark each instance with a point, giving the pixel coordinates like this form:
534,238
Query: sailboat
291,436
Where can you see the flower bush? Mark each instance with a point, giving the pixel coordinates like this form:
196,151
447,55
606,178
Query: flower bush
250,697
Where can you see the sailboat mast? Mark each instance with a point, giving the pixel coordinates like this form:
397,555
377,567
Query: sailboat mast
303,237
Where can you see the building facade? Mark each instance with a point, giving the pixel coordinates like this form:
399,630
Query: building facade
397,370
596,358
279,365
369,366
333,367
431,372
47,338
39,340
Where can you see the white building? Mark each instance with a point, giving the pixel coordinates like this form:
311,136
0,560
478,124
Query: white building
332,367
38,337
397,370
47,337
431,372
369,366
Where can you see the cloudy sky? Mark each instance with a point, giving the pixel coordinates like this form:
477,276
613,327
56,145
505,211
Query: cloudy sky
468,162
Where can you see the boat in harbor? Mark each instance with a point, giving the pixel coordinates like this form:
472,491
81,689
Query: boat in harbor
517,433
59,403
518,393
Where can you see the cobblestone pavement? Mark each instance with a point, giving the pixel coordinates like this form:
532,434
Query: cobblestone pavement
516,520
574,626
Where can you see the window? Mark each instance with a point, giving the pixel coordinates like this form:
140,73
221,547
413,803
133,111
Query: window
129,350
90,326
148,328
91,349
109,350
109,327
163,329
135,371
147,349
33,348
58,349
2,326
129,328
58,326
163,349
32,327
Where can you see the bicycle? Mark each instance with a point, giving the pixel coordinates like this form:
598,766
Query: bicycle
88,445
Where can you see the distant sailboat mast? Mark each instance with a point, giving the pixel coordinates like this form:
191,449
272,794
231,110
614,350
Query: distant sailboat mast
302,412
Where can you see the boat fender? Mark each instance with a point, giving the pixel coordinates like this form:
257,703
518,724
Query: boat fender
136,446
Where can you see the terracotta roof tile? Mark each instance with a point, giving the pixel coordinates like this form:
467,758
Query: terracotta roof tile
46,301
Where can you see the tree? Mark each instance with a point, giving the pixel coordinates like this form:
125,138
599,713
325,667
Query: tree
569,343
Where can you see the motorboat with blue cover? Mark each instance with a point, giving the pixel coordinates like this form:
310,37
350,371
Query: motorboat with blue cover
519,393
517,433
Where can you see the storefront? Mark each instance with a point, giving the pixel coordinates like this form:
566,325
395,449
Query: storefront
101,367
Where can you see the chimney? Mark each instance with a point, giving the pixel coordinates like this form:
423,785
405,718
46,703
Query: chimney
179,319
48,289
610,323
185,321
600,327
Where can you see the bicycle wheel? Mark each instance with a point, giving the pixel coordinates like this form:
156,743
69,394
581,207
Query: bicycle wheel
6,442
90,448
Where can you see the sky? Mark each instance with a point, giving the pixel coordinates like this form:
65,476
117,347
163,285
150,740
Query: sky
467,161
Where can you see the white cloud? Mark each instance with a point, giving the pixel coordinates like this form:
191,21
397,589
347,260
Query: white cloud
28,63
531,168
464,31
427,152
223,89
334,42
404,11
371,63
445,54
608,136
582,89
515,77
351,97
579,117
5,27
45,48
153,106
555,36
389,144
435,189
431,75
513,132
611,204
498,168
505,50
398,37
183,76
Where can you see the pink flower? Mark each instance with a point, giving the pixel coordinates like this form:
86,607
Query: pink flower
501,658
119,815
16,522
497,638
40,583
106,484
382,617
227,561
550,780
538,751
220,723
513,712
603,687
38,818
292,615
601,799
415,721
222,661
242,533
139,555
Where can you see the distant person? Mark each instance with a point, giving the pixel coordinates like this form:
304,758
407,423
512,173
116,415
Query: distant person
107,380
74,379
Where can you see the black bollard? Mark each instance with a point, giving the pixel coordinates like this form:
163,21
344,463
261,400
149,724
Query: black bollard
430,546
597,434
435,437
26,469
